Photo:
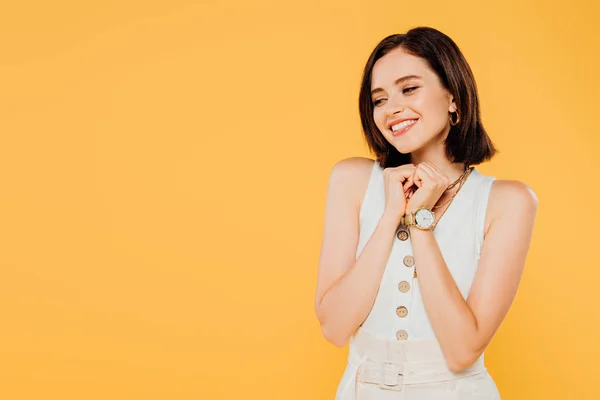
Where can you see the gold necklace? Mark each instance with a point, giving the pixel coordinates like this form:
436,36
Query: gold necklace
450,186
462,182
460,178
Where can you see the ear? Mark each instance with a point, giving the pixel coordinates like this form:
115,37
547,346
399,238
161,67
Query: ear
452,108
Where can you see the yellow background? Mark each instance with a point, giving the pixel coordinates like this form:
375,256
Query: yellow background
163,170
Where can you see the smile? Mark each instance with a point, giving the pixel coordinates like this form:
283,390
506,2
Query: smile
403,127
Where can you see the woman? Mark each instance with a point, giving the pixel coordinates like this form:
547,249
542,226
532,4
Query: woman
422,254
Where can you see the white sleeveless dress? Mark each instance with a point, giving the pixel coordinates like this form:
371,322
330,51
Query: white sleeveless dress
398,318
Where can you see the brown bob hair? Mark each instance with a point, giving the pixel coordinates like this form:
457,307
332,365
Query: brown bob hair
467,142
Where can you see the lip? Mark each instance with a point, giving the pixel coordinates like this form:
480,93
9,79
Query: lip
403,130
397,121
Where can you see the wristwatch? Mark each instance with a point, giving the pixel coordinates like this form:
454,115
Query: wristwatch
423,218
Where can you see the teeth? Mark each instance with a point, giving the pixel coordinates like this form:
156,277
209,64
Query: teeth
403,124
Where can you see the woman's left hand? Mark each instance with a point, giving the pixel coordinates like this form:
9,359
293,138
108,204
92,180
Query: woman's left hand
431,183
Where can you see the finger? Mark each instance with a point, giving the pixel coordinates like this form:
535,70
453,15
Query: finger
442,176
410,181
403,172
425,167
401,167
424,175
434,167
430,175
444,180
418,181
407,169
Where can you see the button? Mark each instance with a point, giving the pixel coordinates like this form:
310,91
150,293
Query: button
409,261
451,385
402,234
404,286
401,335
415,273
402,311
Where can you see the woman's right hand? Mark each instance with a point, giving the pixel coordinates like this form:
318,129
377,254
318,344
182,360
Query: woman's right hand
398,185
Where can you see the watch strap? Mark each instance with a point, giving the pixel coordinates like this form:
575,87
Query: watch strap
408,219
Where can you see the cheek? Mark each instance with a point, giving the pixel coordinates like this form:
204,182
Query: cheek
379,119
438,121
426,102
435,108
434,118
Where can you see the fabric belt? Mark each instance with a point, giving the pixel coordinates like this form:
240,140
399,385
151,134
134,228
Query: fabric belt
391,364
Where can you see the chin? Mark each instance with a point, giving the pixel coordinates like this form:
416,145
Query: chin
406,147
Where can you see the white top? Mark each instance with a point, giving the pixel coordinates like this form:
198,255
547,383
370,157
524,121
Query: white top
459,234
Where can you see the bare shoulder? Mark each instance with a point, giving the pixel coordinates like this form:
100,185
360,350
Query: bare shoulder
510,196
507,194
353,173
354,166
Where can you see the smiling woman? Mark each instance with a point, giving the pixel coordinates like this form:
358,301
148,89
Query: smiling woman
422,335
426,72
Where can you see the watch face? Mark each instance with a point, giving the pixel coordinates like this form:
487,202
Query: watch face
424,218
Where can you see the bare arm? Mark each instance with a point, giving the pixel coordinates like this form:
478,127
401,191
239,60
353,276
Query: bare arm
465,328
347,287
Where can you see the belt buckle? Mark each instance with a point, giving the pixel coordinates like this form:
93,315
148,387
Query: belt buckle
395,370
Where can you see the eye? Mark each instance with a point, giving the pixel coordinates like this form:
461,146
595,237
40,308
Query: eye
407,90
410,89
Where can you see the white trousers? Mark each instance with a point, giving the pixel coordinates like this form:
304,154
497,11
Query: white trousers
409,370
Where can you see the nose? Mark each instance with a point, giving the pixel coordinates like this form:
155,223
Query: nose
393,107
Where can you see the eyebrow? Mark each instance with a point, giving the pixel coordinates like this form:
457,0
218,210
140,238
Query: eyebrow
397,81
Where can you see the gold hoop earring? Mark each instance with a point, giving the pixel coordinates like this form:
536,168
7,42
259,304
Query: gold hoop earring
457,119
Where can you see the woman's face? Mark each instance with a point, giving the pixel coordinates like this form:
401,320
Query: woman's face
404,87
